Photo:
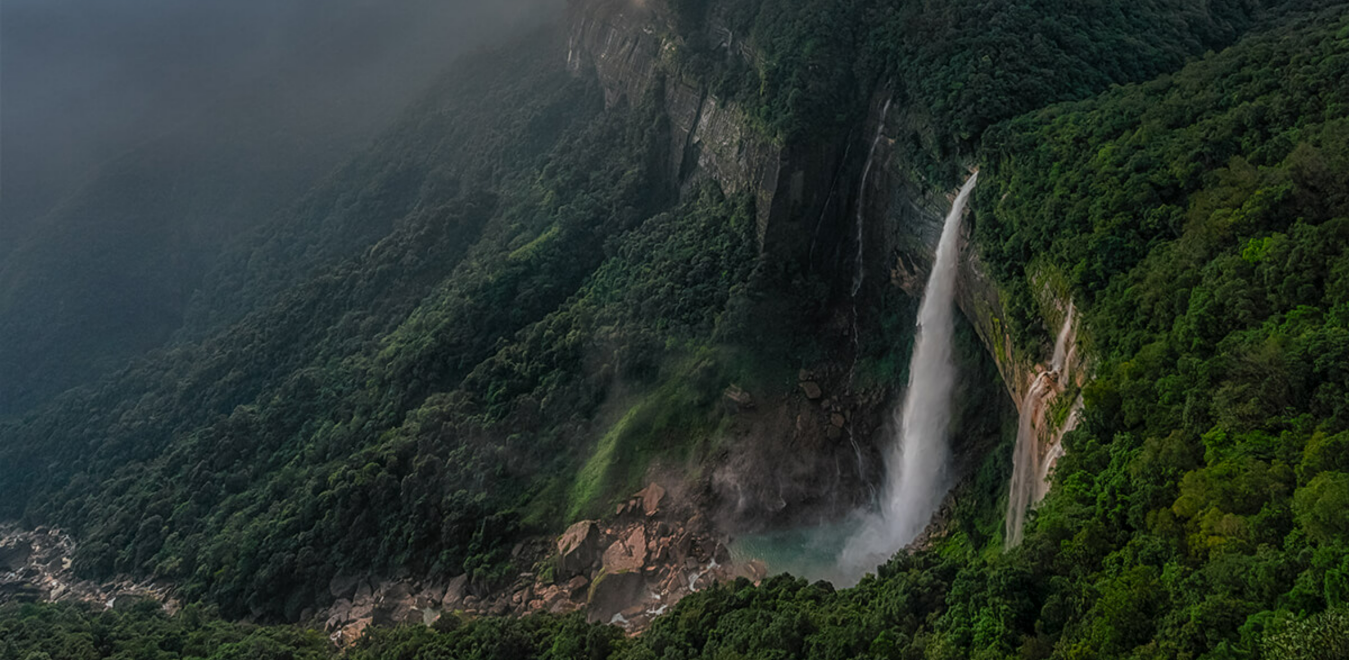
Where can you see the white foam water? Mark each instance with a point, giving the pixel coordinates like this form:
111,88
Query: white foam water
916,464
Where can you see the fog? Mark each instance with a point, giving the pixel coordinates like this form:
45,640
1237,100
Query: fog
139,138
303,82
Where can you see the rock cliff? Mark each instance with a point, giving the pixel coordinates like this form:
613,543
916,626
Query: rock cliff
904,221
809,195
631,47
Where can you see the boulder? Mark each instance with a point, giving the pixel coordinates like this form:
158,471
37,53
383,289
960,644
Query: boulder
739,397
660,549
353,631
363,592
427,600
338,614
722,554
361,610
682,547
395,605
650,498
626,554
394,592
343,586
812,389
14,556
576,587
837,420
546,597
454,593
577,549
612,593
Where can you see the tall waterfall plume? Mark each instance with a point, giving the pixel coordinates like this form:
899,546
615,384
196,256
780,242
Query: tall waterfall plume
916,464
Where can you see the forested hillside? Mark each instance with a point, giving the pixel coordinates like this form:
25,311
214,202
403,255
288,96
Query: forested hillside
506,313
434,392
142,139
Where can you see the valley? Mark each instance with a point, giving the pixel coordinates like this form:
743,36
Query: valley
751,328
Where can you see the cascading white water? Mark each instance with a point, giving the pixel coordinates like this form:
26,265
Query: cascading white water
1028,475
1060,359
858,261
916,465
1025,467
1055,450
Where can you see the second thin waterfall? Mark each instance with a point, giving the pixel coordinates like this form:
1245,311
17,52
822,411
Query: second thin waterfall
1028,468
916,479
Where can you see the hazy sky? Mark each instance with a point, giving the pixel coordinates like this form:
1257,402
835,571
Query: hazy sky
82,81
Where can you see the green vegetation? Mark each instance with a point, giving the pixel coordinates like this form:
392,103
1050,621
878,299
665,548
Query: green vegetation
142,630
954,68
497,319
439,333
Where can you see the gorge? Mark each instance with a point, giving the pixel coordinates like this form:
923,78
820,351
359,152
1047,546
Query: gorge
680,328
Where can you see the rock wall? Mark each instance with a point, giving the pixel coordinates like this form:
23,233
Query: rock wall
807,198
903,223
630,46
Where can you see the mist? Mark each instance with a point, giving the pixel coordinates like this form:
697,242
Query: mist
139,138
300,81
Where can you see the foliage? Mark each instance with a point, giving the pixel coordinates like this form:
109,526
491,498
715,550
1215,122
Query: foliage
436,334
143,630
954,69
498,318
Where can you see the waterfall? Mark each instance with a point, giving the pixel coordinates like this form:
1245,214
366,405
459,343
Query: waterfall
1061,351
1028,470
1025,463
916,465
1055,451
858,270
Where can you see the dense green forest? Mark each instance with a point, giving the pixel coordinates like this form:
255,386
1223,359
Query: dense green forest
493,322
437,392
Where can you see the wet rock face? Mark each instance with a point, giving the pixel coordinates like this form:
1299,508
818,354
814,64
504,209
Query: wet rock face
628,47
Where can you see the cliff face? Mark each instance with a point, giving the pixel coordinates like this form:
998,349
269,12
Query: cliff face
807,195
630,46
903,221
